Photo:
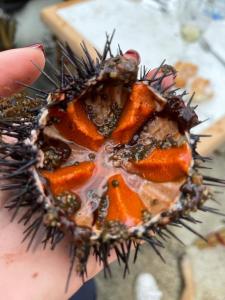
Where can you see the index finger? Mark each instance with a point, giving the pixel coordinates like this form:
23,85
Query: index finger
18,65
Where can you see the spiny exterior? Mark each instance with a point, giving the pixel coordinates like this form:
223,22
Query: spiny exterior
39,136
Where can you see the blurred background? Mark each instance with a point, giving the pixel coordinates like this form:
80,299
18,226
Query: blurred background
190,35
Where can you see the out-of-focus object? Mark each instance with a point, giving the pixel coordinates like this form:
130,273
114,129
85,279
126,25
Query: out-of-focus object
146,288
162,5
201,259
29,17
186,78
7,31
194,16
206,46
189,287
165,6
185,70
218,12
11,6
214,239
202,88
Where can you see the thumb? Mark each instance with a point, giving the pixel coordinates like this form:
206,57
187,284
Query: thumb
16,65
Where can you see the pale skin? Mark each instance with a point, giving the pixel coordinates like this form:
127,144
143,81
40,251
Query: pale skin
31,275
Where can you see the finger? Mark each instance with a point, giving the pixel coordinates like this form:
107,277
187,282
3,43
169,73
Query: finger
166,82
132,54
16,65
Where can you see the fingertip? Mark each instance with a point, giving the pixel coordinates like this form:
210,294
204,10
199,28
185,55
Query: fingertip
132,54
18,65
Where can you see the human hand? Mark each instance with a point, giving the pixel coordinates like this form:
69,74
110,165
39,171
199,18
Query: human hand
38,275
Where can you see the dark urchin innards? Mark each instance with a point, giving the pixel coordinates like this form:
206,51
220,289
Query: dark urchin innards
71,155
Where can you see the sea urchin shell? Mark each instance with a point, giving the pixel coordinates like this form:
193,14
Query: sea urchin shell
106,158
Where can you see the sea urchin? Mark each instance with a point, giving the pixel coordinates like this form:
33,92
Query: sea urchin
106,158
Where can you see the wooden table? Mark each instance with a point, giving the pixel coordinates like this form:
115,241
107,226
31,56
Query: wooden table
62,29
65,31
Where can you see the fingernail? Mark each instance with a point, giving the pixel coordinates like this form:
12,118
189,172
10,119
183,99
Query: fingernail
37,46
133,54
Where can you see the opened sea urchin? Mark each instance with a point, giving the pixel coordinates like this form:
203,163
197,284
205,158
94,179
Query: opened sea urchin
106,158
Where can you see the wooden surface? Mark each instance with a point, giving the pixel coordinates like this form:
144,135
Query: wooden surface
62,29
188,292
66,33
217,132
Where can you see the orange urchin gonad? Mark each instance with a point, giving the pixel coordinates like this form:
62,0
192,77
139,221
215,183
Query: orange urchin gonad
106,158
